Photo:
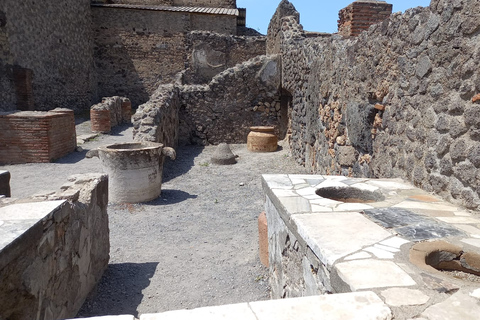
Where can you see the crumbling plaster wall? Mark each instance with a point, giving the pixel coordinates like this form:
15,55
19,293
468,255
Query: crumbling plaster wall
400,100
54,248
35,36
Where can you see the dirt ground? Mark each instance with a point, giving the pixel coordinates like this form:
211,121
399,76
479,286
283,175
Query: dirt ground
196,245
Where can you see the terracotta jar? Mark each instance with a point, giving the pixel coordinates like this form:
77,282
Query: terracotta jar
262,139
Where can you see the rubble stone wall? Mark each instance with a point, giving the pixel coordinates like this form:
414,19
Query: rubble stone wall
35,36
400,100
229,4
210,53
53,250
36,136
221,111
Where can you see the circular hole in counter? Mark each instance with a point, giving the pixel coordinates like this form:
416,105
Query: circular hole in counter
350,194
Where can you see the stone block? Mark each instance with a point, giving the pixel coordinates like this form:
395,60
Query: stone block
263,238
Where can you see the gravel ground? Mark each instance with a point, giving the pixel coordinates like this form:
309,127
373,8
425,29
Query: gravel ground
196,245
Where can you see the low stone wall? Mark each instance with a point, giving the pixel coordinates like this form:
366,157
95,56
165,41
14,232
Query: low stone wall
111,112
4,183
222,111
53,249
34,136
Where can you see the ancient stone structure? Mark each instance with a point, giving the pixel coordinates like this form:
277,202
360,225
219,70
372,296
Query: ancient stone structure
134,170
53,249
103,48
111,112
360,15
5,183
36,136
396,101
221,111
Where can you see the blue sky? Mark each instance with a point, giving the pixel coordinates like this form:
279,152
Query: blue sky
315,15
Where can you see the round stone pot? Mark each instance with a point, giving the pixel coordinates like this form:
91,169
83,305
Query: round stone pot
134,170
262,139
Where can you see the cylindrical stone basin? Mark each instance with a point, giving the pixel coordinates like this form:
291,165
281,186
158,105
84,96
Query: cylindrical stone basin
262,139
134,170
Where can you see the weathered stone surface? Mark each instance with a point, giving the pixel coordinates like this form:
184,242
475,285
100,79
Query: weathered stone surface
5,183
223,155
458,306
54,252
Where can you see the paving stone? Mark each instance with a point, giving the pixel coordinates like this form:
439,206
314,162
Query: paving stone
12,229
35,210
332,183
325,202
120,317
297,181
475,293
368,274
307,192
284,193
394,217
390,185
364,186
278,181
386,248
352,207
231,312
462,213
354,181
347,306
423,198
395,242
314,182
428,230
471,230
458,220
295,204
379,253
317,208
458,306
329,234
397,297
426,206
473,242
359,255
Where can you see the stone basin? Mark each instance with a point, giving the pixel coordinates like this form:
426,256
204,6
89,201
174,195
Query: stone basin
134,170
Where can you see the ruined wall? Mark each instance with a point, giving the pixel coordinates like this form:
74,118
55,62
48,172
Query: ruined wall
53,250
33,136
137,50
211,53
360,15
221,111
52,41
400,100
139,2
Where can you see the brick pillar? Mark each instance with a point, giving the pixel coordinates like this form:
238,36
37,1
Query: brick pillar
126,110
100,120
360,15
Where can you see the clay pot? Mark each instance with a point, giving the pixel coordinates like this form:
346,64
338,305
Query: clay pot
262,139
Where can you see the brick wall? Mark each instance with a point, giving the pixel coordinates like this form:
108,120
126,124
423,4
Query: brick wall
360,15
29,136
111,112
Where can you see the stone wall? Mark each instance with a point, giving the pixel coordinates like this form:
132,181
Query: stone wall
35,37
35,136
221,111
210,53
137,50
400,100
52,253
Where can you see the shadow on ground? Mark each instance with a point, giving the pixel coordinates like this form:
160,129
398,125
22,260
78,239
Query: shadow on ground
120,290
182,164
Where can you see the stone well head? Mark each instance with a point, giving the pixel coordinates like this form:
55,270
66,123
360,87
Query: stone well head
134,170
